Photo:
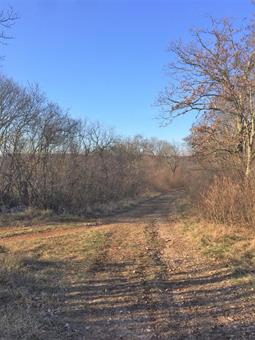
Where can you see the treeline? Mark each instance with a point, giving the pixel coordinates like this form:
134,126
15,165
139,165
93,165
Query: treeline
214,77
52,161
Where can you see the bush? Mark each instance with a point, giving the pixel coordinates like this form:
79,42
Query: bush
228,201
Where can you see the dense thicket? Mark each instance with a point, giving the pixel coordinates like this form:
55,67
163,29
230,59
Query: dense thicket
49,160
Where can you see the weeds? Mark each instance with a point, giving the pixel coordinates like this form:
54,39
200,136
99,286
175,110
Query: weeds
34,274
228,201
233,245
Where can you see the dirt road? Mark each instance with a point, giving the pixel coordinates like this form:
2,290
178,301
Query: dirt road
133,276
149,283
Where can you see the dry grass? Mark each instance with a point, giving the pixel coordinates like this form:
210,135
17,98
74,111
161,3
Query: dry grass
221,223
34,274
41,268
228,201
32,216
39,263
232,245
113,207
58,281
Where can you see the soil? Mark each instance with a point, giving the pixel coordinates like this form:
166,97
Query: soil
149,282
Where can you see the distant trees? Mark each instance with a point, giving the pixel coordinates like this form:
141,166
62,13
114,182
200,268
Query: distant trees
49,160
52,161
214,76
171,155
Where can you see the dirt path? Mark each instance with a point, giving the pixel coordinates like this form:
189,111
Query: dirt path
135,275
147,282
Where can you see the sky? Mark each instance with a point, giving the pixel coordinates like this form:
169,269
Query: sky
103,60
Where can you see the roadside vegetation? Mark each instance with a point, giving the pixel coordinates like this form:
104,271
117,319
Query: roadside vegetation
214,77
50,161
63,183
35,273
231,245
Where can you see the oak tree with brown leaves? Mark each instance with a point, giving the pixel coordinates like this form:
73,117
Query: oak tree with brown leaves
214,76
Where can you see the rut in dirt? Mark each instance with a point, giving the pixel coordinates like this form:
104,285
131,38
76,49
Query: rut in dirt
133,292
121,297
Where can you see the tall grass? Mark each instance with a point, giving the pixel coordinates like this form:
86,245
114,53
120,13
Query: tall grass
228,200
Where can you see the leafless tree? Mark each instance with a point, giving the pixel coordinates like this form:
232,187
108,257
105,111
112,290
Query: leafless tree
171,155
214,76
7,19
49,160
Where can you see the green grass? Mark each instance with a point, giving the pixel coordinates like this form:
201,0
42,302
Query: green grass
235,246
219,249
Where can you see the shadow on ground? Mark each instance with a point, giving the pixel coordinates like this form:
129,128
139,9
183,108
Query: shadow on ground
119,308
153,208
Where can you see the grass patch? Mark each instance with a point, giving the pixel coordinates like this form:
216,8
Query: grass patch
34,276
34,216
230,244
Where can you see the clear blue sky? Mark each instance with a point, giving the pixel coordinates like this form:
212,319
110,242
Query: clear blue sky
103,59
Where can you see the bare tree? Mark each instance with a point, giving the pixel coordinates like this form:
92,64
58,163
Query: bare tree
171,155
7,20
49,160
214,76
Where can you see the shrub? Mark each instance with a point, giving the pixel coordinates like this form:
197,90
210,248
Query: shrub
228,200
